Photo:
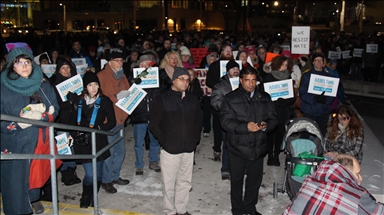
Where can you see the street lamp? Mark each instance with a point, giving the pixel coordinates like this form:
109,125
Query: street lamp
65,17
276,4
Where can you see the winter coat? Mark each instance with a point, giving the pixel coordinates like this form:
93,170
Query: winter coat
308,103
333,189
141,113
213,74
176,122
15,173
237,110
219,91
105,120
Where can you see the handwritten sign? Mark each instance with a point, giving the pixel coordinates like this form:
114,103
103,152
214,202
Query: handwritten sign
358,52
79,61
198,55
48,69
279,89
346,54
319,84
151,80
201,76
300,39
62,144
234,83
73,84
372,48
129,103
223,68
334,55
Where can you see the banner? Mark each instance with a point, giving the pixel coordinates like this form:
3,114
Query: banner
62,144
73,84
279,89
319,84
198,55
372,48
48,69
129,103
202,75
151,80
223,68
300,39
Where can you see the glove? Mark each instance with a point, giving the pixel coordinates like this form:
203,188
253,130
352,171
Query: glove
24,125
321,98
34,108
32,115
71,96
122,94
51,110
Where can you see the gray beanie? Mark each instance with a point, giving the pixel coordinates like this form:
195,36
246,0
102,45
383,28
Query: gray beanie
180,71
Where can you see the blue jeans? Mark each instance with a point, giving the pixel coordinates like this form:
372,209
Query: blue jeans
112,165
139,131
224,157
88,177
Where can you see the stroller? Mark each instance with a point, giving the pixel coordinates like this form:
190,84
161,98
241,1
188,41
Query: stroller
302,136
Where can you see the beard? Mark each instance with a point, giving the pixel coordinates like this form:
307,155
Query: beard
224,57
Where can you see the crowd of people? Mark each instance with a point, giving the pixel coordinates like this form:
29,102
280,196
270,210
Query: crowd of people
247,124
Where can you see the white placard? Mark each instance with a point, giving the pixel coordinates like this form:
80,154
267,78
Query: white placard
300,39
80,69
234,83
48,69
223,68
286,47
334,55
279,89
358,52
319,84
102,63
73,84
36,59
79,61
151,80
338,49
234,53
62,144
129,103
249,61
346,54
372,48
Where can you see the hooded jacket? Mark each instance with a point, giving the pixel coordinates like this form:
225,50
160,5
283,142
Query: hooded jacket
333,189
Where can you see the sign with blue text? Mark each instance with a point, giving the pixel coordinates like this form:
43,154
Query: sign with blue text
319,84
62,144
48,69
279,89
234,83
128,104
223,68
73,84
151,80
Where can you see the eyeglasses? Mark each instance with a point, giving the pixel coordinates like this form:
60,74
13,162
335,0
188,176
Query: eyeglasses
187,80
118,61
343,119
23,63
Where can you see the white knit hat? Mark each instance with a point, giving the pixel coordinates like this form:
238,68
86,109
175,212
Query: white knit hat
184,51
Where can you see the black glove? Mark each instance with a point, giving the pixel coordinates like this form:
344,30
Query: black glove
321,98
71,96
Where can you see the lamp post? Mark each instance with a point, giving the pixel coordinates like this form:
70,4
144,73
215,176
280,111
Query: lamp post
276,4
64,17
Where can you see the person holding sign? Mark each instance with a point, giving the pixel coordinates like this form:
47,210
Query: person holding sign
176,121
316,107
94,110
115,85
219,91
280,70
371,66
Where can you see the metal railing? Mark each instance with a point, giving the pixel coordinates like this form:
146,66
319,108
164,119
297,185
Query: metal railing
52,156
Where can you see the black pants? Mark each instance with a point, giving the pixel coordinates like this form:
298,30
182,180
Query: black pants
254,170
217,133
207,114
274,140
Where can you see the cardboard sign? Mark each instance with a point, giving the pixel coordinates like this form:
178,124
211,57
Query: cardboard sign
358,52
300,39
234,83
279,89
270,56
198,55
372,48
201,76
48,69
151,80
319,84
334,55
223,68
79,61
130,103
73,84
62,144
346,54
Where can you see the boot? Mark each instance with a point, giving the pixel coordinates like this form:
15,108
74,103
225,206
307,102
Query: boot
66,178
270,161
46,191
73,175
86,196
98,188
276,161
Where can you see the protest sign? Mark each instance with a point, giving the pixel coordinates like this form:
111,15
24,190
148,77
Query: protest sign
151,80
338,49
129,103
286,47
300,39
201,76
79,61
198,55
73,84
36,59
102,63
48,69
279,89
173,47
346,54
223,68
270,56
80,69
358,52
334,55
319,84
62,144
372,48
234,83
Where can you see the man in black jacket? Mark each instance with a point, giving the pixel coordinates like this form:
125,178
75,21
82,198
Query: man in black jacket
247,114
176,122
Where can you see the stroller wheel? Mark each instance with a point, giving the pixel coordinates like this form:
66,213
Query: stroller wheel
274,190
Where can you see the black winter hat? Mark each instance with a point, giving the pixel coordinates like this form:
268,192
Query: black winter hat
231,64
90,77
180,71
115,53
315,55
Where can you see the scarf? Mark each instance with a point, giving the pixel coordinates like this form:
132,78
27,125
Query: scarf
89,100
24,86
280,75
341,127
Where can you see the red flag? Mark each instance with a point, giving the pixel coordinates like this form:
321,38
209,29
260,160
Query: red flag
249,29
